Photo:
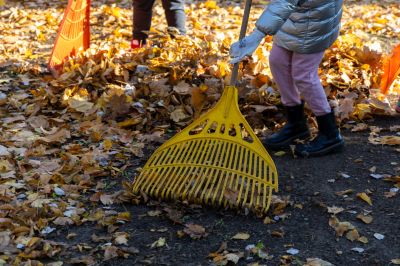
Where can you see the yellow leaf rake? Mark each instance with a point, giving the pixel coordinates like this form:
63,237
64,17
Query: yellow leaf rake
216,160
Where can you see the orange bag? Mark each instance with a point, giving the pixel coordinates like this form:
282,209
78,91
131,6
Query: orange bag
73,34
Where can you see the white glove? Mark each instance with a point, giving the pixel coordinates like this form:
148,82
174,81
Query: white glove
246,46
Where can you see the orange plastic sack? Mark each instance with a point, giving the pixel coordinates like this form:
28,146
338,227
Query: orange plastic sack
73,34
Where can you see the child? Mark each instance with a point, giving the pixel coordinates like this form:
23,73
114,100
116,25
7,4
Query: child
142,14
303,30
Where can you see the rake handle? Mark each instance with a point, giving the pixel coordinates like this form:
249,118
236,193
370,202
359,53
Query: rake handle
243,30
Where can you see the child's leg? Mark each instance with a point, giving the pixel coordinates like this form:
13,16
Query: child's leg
175,14
306,79
305,76
280,61
142,13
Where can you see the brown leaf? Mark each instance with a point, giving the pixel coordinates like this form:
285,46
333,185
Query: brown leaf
365,218
174,215
317,262
87,260
340,227
98,239
110,252
182,88
195,231
335,210
178,115
231,195
344,192
38,122
359,127
60,137
154,213
390,140
63,221
119,105
353,235
198,100
107,199
121,238
5,238
346,108
278,233
80,104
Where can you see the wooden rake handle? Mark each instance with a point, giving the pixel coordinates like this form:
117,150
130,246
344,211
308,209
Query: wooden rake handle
243,30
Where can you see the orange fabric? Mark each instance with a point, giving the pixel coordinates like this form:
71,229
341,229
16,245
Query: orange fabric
73,34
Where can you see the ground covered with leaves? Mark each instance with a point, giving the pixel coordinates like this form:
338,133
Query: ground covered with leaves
70,147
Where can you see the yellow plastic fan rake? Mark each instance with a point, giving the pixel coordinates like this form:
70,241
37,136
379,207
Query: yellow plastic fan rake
216,160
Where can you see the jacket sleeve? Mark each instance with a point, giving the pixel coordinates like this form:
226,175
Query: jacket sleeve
276,13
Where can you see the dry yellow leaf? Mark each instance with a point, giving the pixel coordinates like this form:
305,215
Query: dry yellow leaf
210,4
362,110
390,140
198,99
396,261
365,218
5,166
335,210
178,115
107,144
365,197
353,235
130,122
182,88
280,153
267,220
79,104
121,238
203,87
159,243
241,236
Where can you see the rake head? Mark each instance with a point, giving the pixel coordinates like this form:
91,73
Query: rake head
216,160
73,34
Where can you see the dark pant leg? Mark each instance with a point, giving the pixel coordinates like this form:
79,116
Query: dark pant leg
175,14
142,13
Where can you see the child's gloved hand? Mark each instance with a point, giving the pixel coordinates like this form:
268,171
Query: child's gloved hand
246,46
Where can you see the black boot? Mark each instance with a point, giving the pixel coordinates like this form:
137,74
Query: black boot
328,139
295,128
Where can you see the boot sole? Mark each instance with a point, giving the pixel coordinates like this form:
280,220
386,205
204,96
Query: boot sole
338,147
285,144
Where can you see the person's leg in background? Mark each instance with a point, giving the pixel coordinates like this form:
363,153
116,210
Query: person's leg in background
142,14
175,14
280,62
305,77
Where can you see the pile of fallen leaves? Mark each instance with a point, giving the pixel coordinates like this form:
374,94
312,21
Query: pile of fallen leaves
65,141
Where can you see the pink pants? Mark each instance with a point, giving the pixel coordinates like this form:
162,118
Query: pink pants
297,74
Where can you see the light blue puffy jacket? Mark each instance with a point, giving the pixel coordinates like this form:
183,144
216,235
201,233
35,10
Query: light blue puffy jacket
302,26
